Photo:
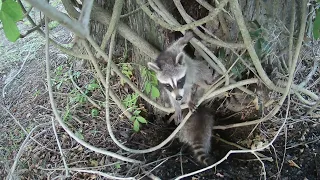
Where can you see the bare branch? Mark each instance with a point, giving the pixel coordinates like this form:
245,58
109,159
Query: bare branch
56,15
235,7
102,78
59,145
186,26
16,160
293,17
84,18
64,126
117,8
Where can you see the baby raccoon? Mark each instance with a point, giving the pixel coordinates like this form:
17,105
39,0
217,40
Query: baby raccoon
177,73
197,133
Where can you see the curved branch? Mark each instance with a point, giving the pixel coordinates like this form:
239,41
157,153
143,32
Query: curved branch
235,7
64,126
117,7
63,19
116,70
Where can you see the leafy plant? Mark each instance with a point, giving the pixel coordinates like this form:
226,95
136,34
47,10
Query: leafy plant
150,87
150,82
130,102
94,112
10,14
127,70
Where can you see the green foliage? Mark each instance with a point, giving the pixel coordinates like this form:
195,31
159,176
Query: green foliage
117,165
130,103
10,14
316,25
150,82
150,88
94,112
127,70
79,134
92,86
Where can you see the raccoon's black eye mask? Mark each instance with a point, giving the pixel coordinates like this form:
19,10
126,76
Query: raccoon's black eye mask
180,84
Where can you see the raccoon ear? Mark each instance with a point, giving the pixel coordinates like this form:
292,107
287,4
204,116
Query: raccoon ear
153,67
180,59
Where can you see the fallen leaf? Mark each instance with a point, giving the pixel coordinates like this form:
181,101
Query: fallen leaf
293,164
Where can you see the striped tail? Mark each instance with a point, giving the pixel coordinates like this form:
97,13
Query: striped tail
201,154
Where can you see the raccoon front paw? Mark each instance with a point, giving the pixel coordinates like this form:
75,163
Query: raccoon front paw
176,117
192,106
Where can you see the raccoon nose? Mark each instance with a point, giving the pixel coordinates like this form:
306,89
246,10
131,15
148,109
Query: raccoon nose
178,98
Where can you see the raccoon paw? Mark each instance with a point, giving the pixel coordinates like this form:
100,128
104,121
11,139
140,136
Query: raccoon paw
192,106
176,117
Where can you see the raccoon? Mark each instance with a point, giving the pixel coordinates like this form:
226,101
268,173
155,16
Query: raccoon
177,73
197,133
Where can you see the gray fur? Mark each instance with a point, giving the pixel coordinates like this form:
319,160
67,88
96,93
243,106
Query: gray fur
172,64
197,133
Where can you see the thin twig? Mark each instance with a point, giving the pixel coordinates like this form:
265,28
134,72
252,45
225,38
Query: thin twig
277,108
293,17
23,129
235,7
183,27
127,80
132,12
63,49
56,15
188,20
18,155
84,17
84,94
117,8
59,145
102,78
24,61
62,124
240,147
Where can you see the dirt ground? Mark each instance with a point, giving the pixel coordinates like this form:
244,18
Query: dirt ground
295,153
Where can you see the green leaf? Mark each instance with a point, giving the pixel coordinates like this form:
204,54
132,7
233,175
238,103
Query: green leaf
92,86
316,25
12,9
148,87
9,27
79,134
117,166
94,163
141,119
143,72
132,118
136,112
155,92
94,112
136,125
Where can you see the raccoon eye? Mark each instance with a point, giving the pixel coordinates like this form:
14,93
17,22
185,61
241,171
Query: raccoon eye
167,85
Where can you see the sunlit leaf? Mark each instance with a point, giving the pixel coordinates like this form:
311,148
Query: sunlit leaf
94,112
136,125
92,86
141,119
155,92
12,9
136,112
9,27
148,87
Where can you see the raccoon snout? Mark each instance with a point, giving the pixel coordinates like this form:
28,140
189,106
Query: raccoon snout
178,98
